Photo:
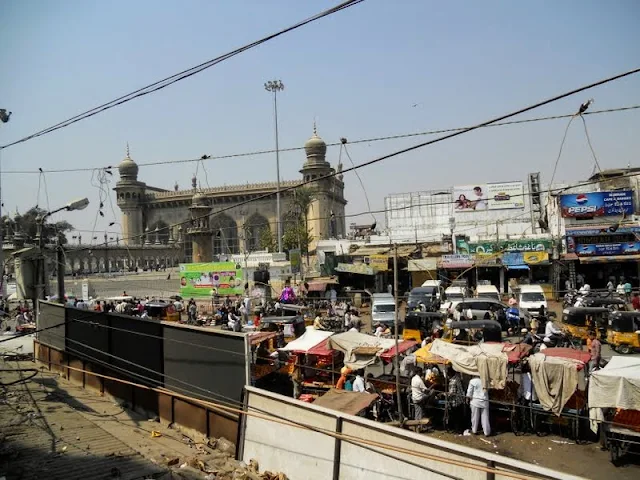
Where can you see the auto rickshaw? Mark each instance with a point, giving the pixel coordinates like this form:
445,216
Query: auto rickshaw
578,321
418,325
469,332
624,331
162,311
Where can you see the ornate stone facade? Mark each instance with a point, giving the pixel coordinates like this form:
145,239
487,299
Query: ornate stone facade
206,220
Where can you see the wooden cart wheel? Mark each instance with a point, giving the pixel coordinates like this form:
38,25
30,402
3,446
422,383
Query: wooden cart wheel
614,452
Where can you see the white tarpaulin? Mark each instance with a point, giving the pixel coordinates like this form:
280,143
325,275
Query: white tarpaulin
617,385
485,360
349,343
309,339
555,380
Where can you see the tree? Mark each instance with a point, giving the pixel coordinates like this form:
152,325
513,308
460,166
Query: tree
302,199
267,241
295,235
27,224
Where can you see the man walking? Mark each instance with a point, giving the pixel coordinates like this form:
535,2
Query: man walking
420,394
595,349
479,399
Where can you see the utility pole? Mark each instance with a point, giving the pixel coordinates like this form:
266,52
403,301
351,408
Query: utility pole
396,358
62,265
276,86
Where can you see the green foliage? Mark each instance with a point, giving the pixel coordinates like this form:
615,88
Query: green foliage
27,225
267,242
296,235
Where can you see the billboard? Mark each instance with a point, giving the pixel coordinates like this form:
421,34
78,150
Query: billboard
620,248
505,195
488,248
488,196
199,279
597,204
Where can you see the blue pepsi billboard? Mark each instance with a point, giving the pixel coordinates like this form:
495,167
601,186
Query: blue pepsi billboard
597,204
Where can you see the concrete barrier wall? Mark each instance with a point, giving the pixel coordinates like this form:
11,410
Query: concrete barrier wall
302,453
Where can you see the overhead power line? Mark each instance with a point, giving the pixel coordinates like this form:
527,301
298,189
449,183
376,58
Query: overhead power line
165,82
333,144
409,149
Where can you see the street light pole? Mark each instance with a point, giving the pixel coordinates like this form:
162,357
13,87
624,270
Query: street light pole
276,86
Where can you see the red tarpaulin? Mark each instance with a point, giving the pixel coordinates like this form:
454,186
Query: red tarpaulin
402,347
320,349
569,353
516,351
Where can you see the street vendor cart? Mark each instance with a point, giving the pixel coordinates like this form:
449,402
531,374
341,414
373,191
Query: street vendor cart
559,379
614,403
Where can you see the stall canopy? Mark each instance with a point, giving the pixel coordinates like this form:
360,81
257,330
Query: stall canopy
485,360
403,346
610,258
359,350
351,403
312,341
424,355
617,385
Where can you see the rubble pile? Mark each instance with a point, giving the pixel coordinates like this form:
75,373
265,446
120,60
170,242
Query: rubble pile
215,461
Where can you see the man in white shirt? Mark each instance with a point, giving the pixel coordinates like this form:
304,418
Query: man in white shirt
550,330
479,399
358,383
527,391
420,393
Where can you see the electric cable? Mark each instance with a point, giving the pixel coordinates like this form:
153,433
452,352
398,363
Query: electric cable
334,144
165,82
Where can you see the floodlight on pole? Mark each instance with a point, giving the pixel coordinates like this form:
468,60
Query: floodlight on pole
275,86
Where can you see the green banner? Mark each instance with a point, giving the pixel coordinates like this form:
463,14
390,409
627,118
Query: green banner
200,279
488,248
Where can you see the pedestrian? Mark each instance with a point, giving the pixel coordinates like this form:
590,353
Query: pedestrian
627,291
610,287
420,394
479,400
390,289
358,383
455,400
620,287
635,302
595,349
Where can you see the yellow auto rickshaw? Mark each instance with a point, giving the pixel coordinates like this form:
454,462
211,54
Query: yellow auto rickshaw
418,325
624,331
162,311
579,321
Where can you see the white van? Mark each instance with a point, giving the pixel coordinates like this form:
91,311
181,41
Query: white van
383,308
488,291
531,299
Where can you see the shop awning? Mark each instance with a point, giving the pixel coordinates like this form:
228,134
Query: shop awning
517,267
370,250
317,286
569,256
610,258
403,346
404,251
358,268
423,264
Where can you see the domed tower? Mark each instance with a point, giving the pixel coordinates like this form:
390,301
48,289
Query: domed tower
326,214
130,196
199,229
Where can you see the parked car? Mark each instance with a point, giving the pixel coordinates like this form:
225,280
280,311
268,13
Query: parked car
488,291
426,295
383,308
437,284
482,309
453,295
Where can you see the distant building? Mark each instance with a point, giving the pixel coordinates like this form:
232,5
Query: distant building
152,215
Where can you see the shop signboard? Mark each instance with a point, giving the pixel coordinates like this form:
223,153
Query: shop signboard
584,232
597,204
535,258
488,196
488,248
456,261
200,279
357,268
597,249
379,263
295,258
484,260
506,195
513,258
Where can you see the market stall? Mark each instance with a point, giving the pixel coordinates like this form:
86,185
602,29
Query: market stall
352,403
614,396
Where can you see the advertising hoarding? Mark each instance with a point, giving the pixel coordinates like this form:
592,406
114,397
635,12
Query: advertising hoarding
505,195
487,248
597,204
488,196
456,261
621,248
199,279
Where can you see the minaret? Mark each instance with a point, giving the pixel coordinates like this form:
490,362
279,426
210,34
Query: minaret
314,168
130,197
199,229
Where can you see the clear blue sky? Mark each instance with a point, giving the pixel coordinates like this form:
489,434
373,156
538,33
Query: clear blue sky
357,72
